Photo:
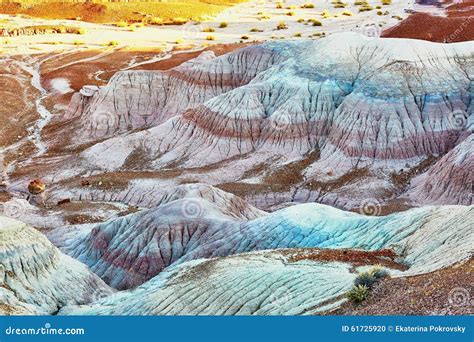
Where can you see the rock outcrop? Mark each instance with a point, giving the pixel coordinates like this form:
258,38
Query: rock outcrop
36,278
451,179
252,284
317,111
128,251
297,281
140,99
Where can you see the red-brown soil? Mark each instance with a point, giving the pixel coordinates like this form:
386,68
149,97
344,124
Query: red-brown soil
98,66
451,29
384,257
444,292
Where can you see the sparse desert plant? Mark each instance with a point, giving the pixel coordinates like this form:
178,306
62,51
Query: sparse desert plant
308,5
347,13
208,30
325,14
121,24
112,43
300,20
316,22
365,8
179,41
156,21
282,26
379,272
244,37
210,37
279,5
81,30
254,29
179,21
132,28
290,14
298,35
386,2
223,25
365,279
358,294
78,42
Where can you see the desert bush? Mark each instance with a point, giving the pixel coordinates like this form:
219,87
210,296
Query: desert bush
208,30
121,24
366,279
358,294
254,29
210,37
282,26
386,2
245,37
81,30
347,13
223,25
379,272
308,5
113,43
156,21
179,21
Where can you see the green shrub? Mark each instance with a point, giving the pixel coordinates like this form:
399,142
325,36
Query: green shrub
366,279
379,272
156,21
358,294
121,24
223,25
282,26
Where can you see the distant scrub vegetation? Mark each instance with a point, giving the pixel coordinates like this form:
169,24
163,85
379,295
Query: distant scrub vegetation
132,11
